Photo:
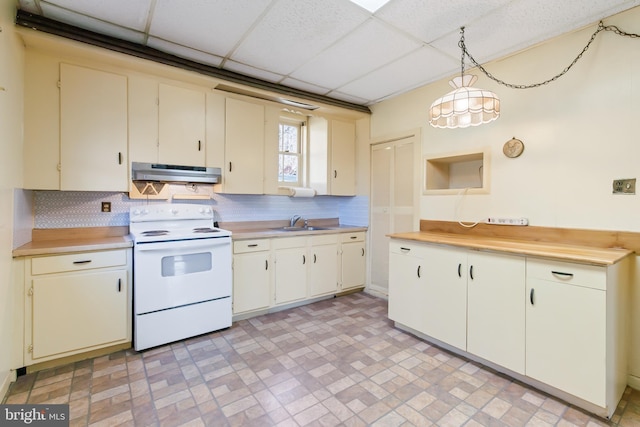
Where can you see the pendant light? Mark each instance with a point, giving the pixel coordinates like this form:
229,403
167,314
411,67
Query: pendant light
465,105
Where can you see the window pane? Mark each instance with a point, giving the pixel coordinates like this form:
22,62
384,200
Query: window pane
288,168
288,138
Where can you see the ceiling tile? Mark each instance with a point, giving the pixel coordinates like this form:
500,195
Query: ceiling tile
184,52
251,71
369,47
523,23
348,98
429,20
297,84
294,31
127,13
213,26
91,24
416,69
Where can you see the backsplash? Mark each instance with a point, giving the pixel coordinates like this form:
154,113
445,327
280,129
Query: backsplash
69,209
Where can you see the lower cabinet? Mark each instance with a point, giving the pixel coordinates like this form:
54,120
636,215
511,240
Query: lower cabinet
278,271
322,276
555,323
572,340
353,261
251,275
290,256
496,312
76,303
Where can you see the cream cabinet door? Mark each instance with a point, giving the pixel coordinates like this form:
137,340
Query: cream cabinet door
251,285
181,126
496,308
343,158
93,130
323,269
244,147
566,338
78,311
407,284
444,300
291,274
353,265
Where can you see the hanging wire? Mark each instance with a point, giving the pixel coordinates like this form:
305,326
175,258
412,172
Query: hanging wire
601,27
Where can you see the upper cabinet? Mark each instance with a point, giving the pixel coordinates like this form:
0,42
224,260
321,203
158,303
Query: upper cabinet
93,130
181,124
75,127
244,147
332,156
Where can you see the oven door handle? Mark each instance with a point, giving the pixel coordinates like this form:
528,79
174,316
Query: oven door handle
182,244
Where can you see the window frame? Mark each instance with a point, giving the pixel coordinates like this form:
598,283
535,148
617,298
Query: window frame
300,123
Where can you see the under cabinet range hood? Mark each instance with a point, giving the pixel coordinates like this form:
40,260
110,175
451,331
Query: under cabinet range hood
174,173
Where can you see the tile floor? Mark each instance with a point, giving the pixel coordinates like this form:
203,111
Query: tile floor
336,362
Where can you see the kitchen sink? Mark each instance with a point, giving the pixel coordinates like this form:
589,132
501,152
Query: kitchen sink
311,228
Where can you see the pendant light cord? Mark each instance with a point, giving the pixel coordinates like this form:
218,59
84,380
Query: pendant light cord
601,27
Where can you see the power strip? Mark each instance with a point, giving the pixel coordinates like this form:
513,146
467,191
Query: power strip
494,220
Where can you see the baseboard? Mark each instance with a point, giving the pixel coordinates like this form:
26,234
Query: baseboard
633,382
5,381
377,291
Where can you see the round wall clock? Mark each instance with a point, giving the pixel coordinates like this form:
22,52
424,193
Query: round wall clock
513,148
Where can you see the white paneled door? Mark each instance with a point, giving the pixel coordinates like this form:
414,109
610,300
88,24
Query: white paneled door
394,200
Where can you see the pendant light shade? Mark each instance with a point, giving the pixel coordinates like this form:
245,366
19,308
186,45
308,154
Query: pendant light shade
464,106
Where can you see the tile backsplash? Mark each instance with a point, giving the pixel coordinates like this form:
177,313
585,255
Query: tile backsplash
69,209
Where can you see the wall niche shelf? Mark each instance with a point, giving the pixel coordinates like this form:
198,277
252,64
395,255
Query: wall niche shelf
452,173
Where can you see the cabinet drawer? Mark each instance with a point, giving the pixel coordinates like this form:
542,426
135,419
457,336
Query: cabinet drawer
407,248
590,276
323,239
289,242
78,261
352,237
244,246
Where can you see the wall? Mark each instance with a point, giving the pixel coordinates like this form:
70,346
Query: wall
580,133
11,81
66,209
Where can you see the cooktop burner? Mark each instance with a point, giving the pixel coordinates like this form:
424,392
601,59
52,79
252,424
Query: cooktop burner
155,233
205,230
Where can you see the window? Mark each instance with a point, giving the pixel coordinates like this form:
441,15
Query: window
289,152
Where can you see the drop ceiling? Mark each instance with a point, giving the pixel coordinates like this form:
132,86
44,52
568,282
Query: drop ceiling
334,48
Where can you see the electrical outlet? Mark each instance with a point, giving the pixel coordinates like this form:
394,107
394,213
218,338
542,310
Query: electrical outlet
106,207
494,220
624,186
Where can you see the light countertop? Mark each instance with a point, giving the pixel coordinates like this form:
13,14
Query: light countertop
559,251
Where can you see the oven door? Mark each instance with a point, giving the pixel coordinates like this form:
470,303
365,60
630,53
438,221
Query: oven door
179,273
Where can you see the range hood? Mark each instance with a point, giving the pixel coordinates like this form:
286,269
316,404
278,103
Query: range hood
174,173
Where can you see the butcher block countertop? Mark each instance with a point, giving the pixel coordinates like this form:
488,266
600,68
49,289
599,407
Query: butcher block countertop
560,251
59,241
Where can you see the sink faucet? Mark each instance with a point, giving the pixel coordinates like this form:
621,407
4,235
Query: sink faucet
294,219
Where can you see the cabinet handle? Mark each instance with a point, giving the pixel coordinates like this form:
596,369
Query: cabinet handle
562,274
405,249
335,174
199,145
119,158
418,272
314,258
304,259
353,237
253,245
531,296
266,264
362,251
459,270
471,272
119,285
85,261
230,166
